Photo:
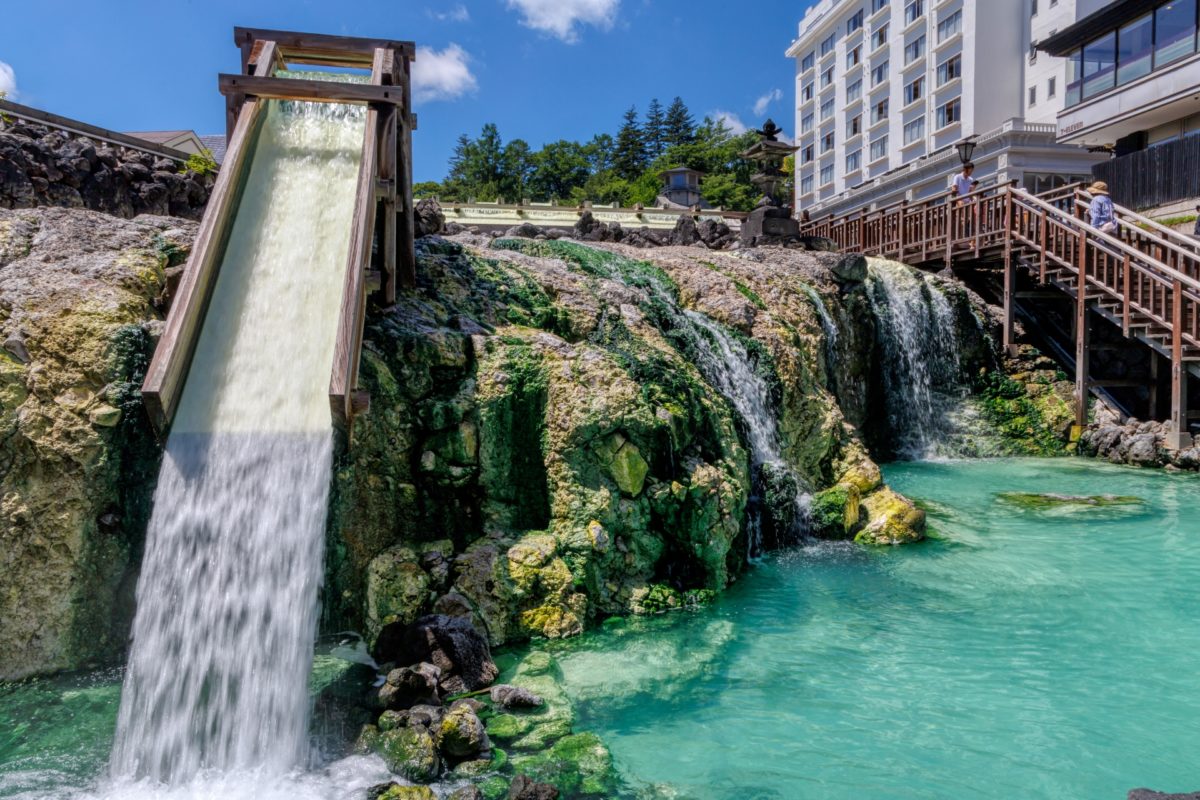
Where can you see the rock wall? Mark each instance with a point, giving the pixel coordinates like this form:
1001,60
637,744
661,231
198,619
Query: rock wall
77,458
43,166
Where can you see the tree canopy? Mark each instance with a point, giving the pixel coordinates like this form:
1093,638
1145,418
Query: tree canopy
622,168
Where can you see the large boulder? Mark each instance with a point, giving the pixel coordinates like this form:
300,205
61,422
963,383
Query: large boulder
461,734
410,752
428,219
450,643
685,231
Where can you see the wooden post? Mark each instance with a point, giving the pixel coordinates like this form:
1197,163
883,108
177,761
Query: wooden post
1082,337
406,227
1010,275
1042,238
1126,292
1178,437
900,224
1152,411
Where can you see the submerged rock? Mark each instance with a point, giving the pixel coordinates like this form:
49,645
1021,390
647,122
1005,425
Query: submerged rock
1035,500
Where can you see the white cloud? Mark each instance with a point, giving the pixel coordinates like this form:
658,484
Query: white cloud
8,81
732,121
559,17
457,14
442,75
763,103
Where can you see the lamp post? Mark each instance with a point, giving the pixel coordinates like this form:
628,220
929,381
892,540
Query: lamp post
966,149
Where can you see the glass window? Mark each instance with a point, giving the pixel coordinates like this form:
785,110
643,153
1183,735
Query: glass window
827,78
806,155
879,37
879,74
854,91
806,93
827,142
950,113
914,91
828,45
1174,31
854,125
949,69
913,11
827,109
879,148
806,185
879,112
1135,46
806,124
1033,13
1099,62
1074,77
1032,96
1052,87
855,22
950,26
914,50
914,131
808,62
854,56
877,4
827,175
854,161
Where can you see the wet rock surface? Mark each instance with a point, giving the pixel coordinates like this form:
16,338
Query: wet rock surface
1134,442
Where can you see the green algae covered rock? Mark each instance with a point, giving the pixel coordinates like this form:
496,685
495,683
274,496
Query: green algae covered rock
461,734
1041,501
398,792
836,511
891,519
578,765
410,752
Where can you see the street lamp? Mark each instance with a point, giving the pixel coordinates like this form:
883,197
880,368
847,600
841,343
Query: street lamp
966,149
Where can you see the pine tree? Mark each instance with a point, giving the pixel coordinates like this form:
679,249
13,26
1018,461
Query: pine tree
629,159
680,125
656,130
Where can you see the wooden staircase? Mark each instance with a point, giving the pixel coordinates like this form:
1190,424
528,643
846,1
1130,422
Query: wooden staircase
1143,278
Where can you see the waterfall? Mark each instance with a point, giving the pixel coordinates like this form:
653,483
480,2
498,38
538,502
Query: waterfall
228,593
831,333
917,334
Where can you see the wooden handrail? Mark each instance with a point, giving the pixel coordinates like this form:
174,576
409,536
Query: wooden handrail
311,91
1186,244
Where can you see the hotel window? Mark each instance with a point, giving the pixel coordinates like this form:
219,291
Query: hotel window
879,37
949,114
914,131
1135,49
828,45
1075,77
1099,65
1051,88
914,91
878,149
854,161
914,50
806,93
913,11
808,62
855,22
806,185
879,74
879,112
827,175
1033,12
827,78
854,91
806,155
854,125
1033,52
854,56
827,109
827,142
948,70
950,26
1032,96
1174,32
806,124
878,4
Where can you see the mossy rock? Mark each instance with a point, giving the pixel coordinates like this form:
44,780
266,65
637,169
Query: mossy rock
1041,501
578,765
891,519
410,752
506,727
494,788
835,512
397,792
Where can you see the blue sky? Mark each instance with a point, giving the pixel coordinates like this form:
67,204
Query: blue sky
540,69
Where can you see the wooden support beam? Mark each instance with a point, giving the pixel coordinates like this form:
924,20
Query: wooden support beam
1178,438
313,91
1152,404
406,254
1082,336
337,48
1010,277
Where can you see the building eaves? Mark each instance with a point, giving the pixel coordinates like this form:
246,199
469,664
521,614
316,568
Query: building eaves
1109,18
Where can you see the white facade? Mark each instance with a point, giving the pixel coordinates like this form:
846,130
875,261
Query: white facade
886,88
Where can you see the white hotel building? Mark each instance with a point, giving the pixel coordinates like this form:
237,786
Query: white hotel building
886,88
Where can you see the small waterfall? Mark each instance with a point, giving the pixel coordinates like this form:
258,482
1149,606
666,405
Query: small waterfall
228,594
917,333
831,333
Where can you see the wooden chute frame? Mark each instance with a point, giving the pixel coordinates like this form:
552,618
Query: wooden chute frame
384,192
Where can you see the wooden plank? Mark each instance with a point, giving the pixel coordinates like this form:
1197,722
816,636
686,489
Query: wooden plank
406,255
1082,335
342,48
352,317
313,91
1178,437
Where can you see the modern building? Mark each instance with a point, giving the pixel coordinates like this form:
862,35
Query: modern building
1133,88
886,88
681,188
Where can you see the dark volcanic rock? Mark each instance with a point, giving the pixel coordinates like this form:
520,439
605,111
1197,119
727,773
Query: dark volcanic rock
685,232
409,686
526,230
514,697
819,243
1150,794
450,643
850,268
524,788
428,219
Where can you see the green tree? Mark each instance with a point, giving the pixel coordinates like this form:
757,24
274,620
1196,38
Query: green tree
517,162
629,156
655,130
680,126
427,189
599,153
558,168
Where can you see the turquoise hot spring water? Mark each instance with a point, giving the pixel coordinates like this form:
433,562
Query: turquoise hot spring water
1022,652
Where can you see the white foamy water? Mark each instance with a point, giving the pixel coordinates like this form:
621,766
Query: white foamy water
215,701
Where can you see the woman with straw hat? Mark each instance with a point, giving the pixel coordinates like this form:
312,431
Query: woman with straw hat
1103,215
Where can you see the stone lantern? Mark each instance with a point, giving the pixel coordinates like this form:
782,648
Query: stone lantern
771,221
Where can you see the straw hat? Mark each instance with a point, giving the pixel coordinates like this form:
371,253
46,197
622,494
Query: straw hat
1099,187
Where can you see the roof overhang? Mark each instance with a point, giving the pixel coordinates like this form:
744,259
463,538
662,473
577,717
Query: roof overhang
1109,18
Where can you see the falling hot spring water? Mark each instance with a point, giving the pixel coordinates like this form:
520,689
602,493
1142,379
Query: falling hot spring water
227,599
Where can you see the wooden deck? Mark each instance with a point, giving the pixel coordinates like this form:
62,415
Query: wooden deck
383,194
1144,278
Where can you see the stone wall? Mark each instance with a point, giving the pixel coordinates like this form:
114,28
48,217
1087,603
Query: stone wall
44,166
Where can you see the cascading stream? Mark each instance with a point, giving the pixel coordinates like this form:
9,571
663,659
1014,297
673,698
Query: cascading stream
228,593
921,369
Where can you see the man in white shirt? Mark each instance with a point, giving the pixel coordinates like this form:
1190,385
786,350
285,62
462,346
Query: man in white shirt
964,184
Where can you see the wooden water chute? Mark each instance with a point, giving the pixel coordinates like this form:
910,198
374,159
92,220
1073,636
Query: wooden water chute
383,193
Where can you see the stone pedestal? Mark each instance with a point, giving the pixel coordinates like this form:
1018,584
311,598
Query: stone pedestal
769,225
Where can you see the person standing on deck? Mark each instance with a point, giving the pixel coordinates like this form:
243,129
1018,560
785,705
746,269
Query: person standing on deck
1196,230
1101,211
964,184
